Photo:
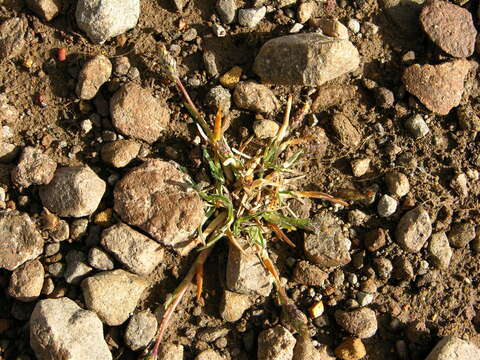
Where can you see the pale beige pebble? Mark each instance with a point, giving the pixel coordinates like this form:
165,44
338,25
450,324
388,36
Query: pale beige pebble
332,27
233,305
305,11
45,9
360,166
276,343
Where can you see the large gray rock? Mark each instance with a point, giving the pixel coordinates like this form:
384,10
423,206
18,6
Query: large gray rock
137,113
305,59
245,272
74,191
413,229
113,295
135,251
60,329
453,348
327,246
104,19
276,343
34,167
157,198
20,240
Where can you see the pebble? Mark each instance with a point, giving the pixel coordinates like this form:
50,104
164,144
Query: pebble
417,126
141,329
189,35
209,354
265,128
169,351
307,274
397,183
359,322
255,97
383,267
120,153
251,17
375,239
331,95
276,343
75,271
468,120
233,305
245,274
26,281
217,97
86,126
438,87
61,232
8,113
364,298
21,241
402,268
226,10
331,27
210,334
351,349
107,19
387,206
305,11
48,286
56,269
78,228
347,134
33,168
93,75
296,28
100,260
231,78
219,30
156,198
384,97
137,113
461,234
450,27
279,61
327,246
74,191
113,295
360,166
210,63
51,249
459,183
45,9
353,25
59,327
454,348
121,65
135,251
12,37
413,229
8,152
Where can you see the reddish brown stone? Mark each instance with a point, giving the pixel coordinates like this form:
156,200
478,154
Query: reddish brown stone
450,27
438,87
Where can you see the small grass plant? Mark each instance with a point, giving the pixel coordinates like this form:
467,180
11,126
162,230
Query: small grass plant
246,199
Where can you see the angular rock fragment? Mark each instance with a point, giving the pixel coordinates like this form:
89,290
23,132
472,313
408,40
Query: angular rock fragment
413,229
74,191
93,75
45,9
276,343
119,153
34,168
305,59
113,295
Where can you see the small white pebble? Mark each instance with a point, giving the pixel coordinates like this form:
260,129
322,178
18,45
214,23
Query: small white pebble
86,126
3,195
7,131
219,30
296,28
354,25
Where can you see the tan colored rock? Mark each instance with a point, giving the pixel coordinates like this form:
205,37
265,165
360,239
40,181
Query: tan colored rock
26,282
438,87
33,167
93,75
137,113
119,153
157,198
